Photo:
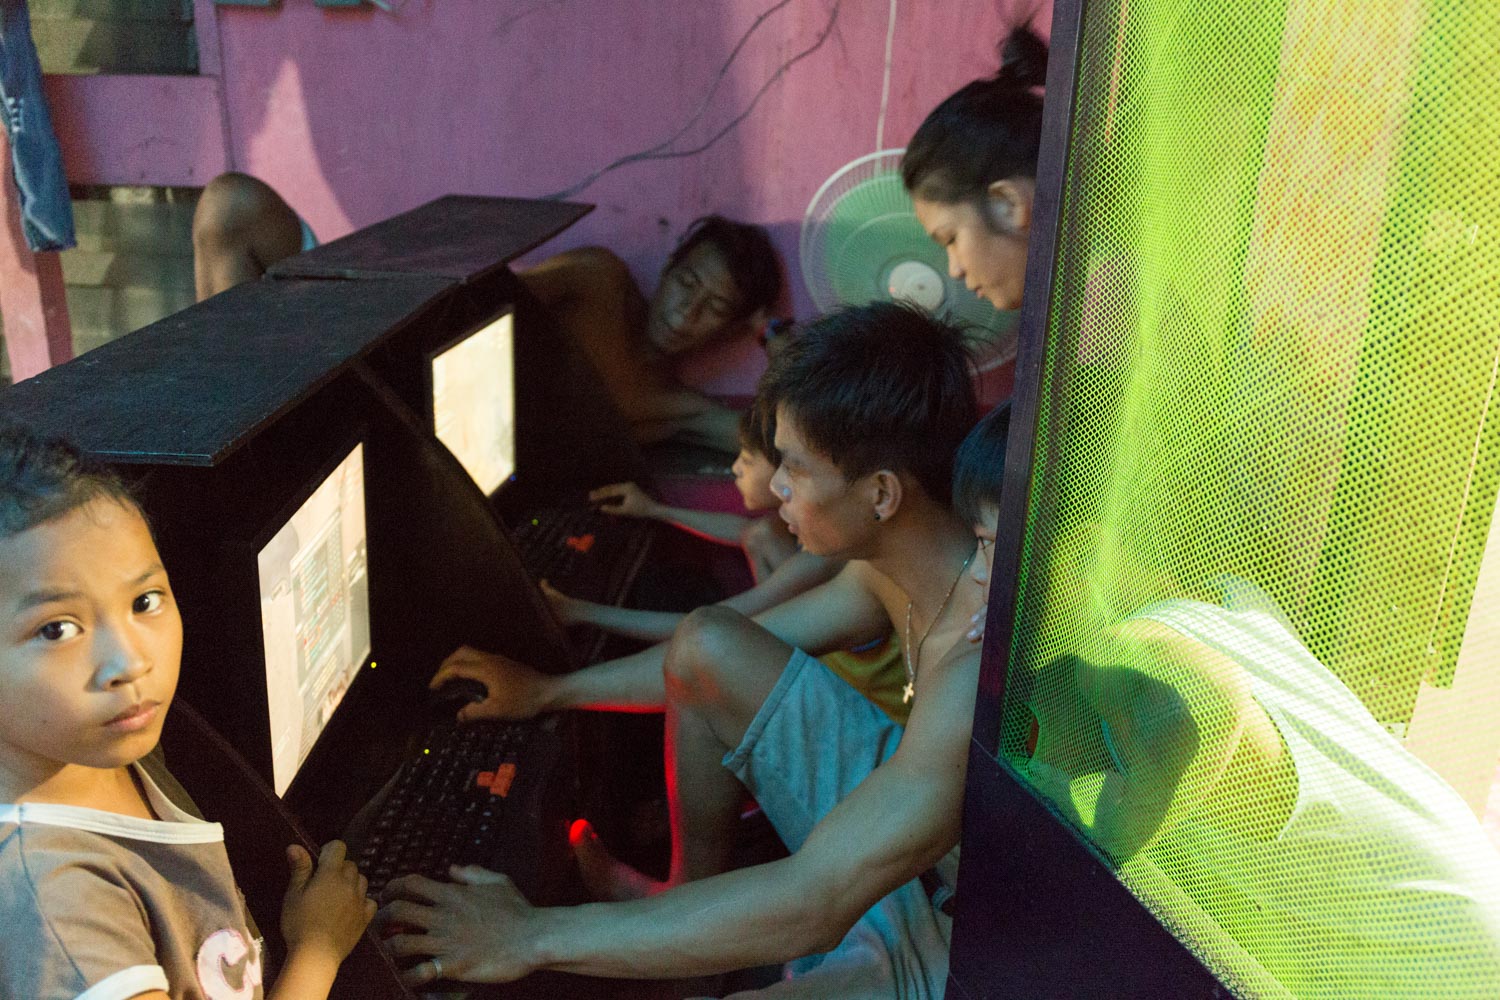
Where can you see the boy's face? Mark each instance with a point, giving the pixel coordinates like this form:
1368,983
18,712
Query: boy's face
828,514
752,475
696,302
90,642
984,530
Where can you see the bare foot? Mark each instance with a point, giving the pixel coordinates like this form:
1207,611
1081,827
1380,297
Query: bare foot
606,878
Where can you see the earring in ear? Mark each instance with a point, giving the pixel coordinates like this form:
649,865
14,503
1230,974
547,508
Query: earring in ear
877,515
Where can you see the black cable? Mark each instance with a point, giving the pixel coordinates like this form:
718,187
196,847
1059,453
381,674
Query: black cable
657,152
723,72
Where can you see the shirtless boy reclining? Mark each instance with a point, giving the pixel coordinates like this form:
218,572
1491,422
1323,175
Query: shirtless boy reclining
723,279
871,405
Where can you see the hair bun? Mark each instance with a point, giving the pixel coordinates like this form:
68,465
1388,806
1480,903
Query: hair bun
1023,60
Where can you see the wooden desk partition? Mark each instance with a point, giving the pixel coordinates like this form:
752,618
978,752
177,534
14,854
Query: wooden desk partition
227,414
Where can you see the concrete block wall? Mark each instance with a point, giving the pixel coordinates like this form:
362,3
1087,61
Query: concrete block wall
115,36
134,261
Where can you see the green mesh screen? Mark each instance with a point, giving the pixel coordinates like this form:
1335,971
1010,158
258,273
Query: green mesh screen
1257,649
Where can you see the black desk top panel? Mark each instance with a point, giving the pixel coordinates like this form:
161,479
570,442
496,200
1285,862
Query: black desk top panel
461,237
187,390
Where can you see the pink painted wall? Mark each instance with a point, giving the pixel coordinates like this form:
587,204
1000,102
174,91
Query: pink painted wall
356,115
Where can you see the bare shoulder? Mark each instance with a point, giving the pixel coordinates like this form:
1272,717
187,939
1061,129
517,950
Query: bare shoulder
586,259
1158,648
579,272
875,583
960,658
1147,660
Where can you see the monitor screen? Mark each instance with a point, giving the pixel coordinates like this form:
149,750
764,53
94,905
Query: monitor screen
315,613
473,402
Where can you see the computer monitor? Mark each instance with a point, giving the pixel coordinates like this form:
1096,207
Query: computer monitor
474,401
315,612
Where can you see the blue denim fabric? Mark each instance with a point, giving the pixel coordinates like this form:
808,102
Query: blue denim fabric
36,160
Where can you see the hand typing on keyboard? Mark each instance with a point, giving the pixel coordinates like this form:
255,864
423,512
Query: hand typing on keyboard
625,499
515,691
477,928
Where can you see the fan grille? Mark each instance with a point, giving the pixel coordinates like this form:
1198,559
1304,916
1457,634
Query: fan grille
861,242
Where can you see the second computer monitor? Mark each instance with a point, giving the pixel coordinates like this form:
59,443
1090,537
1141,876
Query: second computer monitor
315,612
474,401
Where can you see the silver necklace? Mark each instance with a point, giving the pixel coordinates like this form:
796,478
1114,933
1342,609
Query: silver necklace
912,662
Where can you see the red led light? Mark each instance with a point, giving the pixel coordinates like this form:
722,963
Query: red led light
499,780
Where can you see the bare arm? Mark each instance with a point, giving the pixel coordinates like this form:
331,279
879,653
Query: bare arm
629,500
717,526
895,825
648,626
690,416
596,302
837,613
593,294
799,573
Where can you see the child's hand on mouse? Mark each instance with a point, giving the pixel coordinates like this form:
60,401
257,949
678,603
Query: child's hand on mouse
325,909
626,499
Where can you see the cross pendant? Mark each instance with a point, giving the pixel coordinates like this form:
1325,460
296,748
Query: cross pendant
907,693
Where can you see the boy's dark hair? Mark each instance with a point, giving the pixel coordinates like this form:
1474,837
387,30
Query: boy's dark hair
748,253
758,429
43,478
880,386
979,466
988,131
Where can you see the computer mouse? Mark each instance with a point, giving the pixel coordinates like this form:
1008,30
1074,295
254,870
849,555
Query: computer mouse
455,693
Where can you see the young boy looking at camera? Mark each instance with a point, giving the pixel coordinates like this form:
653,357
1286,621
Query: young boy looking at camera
110,886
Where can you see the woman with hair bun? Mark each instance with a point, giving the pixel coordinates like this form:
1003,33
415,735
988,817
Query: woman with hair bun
971,172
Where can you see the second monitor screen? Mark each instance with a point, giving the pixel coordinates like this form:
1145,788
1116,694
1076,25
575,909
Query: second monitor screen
473,402
315,613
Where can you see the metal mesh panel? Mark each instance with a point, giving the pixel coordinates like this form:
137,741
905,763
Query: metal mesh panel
1257,647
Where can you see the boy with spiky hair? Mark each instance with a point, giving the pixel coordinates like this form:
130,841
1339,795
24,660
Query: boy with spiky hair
871,405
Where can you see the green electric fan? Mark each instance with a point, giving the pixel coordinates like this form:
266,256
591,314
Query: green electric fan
861,242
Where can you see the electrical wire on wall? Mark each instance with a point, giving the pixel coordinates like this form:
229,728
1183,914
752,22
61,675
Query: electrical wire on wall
663,150
885,81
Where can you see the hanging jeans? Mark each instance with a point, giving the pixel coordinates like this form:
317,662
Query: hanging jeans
36,160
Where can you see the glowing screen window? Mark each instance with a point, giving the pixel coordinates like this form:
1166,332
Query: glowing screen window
473,403
315,613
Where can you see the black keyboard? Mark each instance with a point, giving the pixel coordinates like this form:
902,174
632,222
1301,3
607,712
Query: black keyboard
470,794
581,550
